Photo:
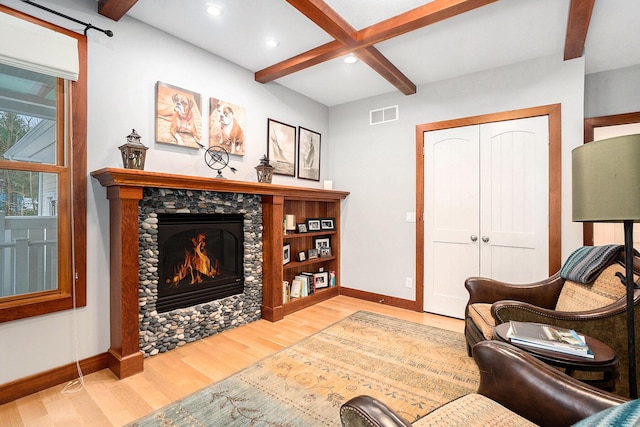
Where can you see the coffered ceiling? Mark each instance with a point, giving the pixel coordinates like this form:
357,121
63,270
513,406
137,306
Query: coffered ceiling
400,44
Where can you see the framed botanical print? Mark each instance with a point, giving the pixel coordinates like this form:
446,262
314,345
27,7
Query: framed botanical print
308,154
281,147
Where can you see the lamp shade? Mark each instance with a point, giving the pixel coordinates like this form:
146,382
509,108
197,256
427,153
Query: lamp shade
606,180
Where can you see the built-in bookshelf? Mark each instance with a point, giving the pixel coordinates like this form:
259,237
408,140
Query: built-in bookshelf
321,204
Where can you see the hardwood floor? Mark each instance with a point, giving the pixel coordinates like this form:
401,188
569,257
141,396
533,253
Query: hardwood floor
106,401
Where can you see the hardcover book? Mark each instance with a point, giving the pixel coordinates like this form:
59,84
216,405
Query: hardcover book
548,337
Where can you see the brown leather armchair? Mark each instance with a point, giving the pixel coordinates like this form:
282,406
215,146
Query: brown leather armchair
521,384
597,309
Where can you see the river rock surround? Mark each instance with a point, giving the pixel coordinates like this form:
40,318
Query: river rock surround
160,332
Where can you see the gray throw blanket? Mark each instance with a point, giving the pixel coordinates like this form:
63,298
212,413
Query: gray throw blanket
586,263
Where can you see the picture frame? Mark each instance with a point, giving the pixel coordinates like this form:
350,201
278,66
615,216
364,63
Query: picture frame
308,154
313,224
327,224
178,116
302,256
302,228
313,253
226,126
286,253
325,252
281,147
321,242
321,280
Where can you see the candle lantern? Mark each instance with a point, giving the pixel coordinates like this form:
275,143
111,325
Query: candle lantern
133,152
264,170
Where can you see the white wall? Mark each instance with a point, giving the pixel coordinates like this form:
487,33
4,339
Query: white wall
123,71
377,163
612,92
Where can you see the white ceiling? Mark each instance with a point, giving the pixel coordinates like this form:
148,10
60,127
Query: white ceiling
501,33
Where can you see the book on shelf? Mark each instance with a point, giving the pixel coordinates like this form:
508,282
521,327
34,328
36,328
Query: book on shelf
296,289
309,280
547,337
285,292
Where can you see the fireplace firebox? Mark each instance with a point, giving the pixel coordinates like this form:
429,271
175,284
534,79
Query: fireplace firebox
200,258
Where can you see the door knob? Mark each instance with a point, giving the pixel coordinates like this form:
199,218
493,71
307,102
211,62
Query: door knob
485,239
474,238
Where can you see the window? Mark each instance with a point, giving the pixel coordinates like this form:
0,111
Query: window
42,180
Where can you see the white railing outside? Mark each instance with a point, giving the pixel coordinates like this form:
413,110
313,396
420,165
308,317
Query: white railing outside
28,254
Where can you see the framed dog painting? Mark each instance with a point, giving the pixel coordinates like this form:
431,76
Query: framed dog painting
281,147
178,116
226,126
308,154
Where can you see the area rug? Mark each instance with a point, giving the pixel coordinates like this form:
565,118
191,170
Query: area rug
413,368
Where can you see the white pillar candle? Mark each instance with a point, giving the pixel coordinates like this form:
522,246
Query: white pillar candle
328,185
290,222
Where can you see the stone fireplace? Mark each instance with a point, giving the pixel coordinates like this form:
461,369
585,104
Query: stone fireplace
134,321
166,329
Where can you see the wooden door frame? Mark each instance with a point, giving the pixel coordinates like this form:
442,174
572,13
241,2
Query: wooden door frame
553,111
589,125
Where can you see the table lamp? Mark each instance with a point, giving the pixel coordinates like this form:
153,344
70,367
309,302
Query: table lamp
606,188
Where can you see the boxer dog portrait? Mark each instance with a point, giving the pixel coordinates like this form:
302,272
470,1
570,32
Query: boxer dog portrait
181,109
225,126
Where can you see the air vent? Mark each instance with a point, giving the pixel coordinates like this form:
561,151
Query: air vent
383,115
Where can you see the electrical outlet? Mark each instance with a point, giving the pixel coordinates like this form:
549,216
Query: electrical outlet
409,282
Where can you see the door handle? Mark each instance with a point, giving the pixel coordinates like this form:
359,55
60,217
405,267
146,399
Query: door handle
474,238
485,239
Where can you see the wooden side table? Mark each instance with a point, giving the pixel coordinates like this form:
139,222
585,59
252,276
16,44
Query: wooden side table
604,360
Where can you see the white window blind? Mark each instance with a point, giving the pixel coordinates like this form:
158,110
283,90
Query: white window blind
32,47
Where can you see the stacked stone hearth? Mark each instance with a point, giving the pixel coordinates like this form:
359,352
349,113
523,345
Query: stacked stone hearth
160,332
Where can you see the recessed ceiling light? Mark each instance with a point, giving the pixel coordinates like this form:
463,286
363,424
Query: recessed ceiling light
214,10
350,59
271,42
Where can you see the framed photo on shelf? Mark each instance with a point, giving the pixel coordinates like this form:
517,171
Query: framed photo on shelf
325,252
286,253
281,147
302,256
321,242
302,228
313,224
313,253
321,280
327,224
308,154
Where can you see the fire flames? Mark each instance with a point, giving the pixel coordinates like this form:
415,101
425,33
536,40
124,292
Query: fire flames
196,264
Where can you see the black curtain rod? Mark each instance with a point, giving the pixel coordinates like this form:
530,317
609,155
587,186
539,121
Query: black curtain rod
87,27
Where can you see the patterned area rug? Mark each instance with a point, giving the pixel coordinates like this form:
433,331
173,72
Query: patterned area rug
411,367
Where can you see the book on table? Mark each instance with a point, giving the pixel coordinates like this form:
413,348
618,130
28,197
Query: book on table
547,337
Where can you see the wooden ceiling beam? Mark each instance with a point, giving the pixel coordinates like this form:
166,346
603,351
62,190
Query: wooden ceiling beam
338,28
362,41
372,57
326,18
115,9
414,19
577,27
308,59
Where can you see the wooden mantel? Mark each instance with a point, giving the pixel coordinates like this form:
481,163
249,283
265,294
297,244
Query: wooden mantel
124,191
113,177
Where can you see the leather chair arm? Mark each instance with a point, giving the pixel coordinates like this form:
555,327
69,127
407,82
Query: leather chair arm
504,311
367,411
544,293
534,390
